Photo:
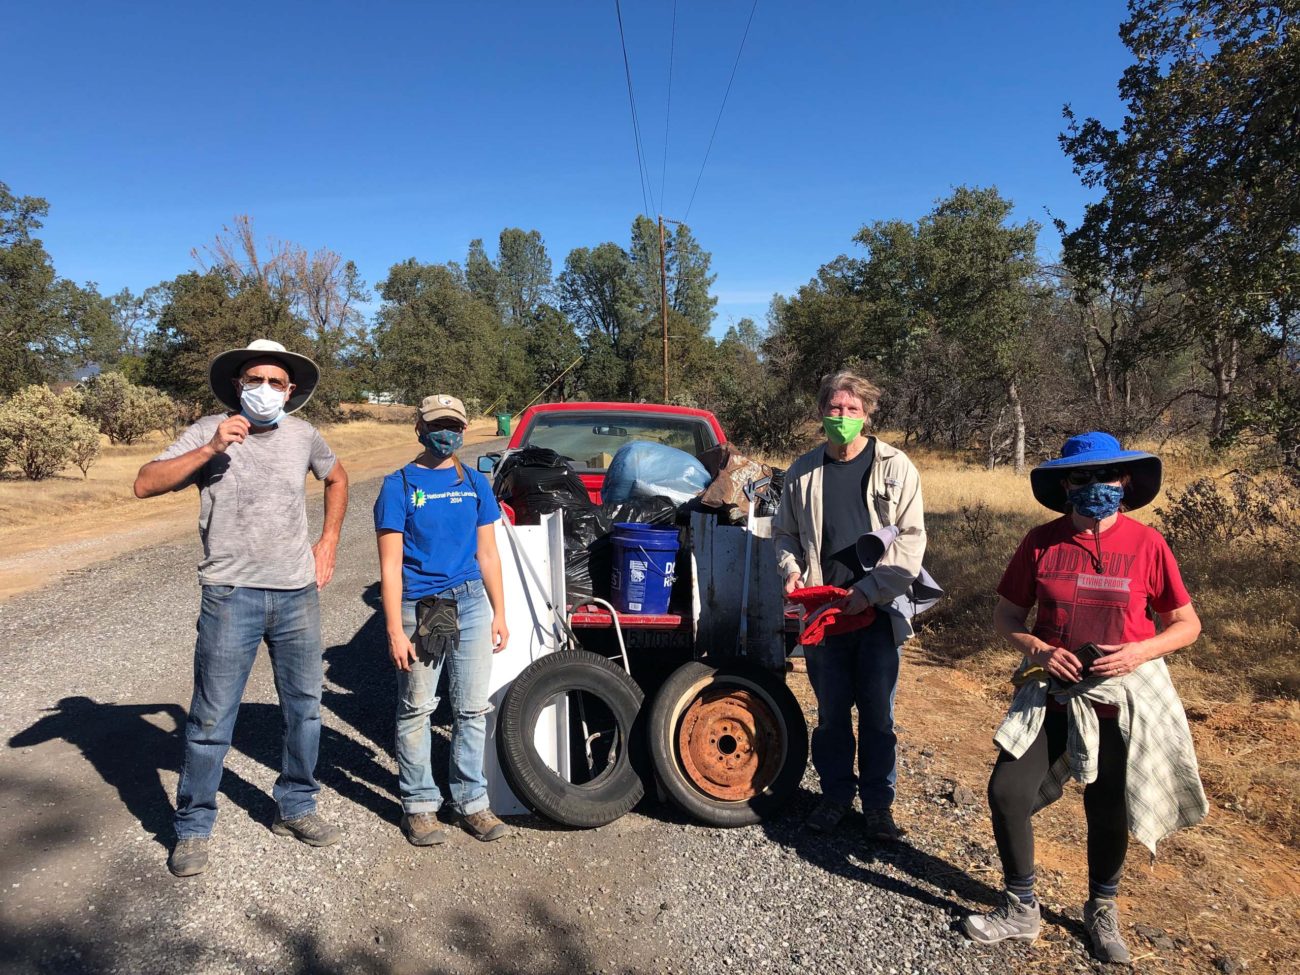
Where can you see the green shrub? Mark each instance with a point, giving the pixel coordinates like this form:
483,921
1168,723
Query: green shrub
41,433
124,412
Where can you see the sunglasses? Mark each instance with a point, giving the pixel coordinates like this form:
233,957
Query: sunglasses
252,382
1091,475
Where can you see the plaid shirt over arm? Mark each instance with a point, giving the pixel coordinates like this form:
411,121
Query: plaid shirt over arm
1163,791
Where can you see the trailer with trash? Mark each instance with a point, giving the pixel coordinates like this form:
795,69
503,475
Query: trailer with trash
648,638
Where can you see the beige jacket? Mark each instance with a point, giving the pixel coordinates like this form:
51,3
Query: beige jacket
894,498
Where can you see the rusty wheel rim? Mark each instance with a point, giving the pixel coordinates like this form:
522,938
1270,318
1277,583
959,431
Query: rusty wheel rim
729,743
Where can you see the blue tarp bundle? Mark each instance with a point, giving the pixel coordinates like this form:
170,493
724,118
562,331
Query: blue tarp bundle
642,469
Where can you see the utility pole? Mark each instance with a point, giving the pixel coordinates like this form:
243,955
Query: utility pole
663,298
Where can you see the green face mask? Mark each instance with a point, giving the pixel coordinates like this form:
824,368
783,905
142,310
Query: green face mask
841,430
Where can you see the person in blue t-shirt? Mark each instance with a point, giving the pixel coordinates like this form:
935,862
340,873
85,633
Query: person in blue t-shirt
435,524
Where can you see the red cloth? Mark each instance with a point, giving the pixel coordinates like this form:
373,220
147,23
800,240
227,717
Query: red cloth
1054,568
823,620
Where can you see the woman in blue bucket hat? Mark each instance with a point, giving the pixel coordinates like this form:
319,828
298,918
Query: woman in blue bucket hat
1095,701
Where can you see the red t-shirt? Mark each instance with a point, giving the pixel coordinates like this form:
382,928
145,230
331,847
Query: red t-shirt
1055,568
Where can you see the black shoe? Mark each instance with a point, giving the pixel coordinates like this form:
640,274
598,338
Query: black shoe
310,829
189,856
879,824
826,816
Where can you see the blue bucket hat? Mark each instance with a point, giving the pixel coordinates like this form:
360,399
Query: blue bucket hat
1097,449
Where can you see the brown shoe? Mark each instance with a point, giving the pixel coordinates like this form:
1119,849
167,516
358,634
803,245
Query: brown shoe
423,829
484,825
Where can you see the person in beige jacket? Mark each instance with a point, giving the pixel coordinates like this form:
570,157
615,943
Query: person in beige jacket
851,484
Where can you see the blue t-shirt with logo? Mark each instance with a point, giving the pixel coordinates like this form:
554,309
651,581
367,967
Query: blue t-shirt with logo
439,521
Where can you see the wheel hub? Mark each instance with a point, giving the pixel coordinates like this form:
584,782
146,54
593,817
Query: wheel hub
730,744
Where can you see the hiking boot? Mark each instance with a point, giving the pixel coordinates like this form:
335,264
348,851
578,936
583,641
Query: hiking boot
879,824
484,825
310,829
423,829
826,816
1014,920
189,856
1101,921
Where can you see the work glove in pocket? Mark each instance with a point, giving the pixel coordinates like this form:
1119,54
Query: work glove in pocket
437,627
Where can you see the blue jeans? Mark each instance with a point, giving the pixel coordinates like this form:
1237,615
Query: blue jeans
233,621
469,667
859,668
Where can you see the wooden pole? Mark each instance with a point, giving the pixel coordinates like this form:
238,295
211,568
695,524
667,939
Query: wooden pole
663,298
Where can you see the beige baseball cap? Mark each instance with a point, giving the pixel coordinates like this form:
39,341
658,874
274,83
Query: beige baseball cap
440,405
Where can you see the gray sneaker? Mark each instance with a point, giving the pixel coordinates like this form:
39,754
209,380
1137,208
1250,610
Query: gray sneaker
1101,920
423,829
310,829
1013,920
189,856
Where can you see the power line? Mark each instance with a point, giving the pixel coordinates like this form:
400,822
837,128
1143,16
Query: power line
641,168
672,47
721,108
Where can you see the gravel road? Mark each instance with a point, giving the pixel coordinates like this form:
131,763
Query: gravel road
96,676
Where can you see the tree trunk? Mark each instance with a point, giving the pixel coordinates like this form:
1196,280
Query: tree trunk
1018,419
1224,350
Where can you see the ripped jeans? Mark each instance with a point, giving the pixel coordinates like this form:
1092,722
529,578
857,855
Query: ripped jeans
468,669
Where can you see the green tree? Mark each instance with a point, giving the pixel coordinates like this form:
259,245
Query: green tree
552,347
206,313
598,295
47,324
432,335
1199,181
524,274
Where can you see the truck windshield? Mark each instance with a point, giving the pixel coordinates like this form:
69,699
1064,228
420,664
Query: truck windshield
590,440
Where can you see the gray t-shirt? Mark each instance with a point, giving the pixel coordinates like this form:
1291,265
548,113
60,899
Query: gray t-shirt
253,507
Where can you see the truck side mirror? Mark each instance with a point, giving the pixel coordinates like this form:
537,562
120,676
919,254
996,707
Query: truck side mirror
488,463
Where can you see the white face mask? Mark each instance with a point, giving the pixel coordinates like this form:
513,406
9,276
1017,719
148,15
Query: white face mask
263,405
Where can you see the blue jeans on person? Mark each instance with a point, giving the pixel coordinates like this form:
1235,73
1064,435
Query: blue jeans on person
233,621
469,665
858,668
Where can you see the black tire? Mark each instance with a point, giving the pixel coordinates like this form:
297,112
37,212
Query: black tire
755,710
617,788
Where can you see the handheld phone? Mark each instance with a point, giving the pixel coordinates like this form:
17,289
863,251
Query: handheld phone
1088,655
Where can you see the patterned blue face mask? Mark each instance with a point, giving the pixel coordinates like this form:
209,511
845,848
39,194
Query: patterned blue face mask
1096,501
442,443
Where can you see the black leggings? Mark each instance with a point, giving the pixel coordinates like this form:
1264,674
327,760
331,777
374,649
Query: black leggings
1013,793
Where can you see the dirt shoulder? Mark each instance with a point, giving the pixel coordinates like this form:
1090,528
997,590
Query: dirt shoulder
61,525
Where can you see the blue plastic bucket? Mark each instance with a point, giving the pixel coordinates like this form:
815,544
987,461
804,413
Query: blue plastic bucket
645,560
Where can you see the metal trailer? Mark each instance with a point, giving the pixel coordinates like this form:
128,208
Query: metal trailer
692,703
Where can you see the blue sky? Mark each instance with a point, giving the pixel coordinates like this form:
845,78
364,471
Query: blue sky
391,130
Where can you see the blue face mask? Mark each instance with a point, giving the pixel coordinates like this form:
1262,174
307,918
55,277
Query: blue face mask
1096,501
442,443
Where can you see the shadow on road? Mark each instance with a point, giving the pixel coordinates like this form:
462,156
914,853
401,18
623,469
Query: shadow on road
129,751
849,853
532,940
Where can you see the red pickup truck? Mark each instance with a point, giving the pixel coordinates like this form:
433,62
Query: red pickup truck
589,434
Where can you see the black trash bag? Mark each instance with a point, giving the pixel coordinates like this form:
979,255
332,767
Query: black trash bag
537,481
528,457
642,511
585,532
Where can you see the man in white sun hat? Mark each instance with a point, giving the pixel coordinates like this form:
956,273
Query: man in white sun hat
260,577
